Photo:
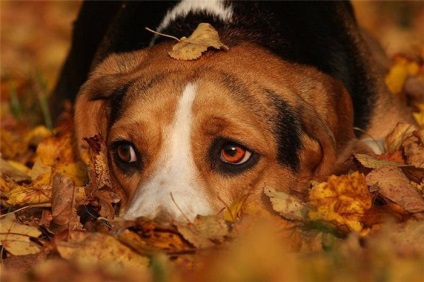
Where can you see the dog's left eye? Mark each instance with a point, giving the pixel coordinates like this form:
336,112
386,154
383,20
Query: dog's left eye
233,153
230,157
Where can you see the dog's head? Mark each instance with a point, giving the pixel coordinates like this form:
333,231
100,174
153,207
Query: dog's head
189,137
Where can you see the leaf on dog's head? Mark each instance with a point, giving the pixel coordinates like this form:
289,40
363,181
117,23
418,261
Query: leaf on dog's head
199,41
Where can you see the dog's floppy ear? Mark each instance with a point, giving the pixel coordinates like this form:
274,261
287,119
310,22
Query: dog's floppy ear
91,107
319,144
328,135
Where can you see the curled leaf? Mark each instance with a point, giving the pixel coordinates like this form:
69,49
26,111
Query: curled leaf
287,205
342,200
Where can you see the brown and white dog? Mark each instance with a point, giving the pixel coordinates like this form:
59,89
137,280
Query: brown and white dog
185,137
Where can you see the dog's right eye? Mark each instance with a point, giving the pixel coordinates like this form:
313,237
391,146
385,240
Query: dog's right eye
125,156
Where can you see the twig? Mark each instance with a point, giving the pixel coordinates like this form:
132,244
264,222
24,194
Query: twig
26,207
186,218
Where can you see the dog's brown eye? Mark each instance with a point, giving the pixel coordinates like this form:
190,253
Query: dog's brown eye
126,153
233,153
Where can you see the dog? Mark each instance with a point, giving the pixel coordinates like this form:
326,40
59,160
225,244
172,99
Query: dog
187,138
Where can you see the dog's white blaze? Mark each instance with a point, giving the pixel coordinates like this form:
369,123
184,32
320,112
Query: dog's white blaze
175,173
212,7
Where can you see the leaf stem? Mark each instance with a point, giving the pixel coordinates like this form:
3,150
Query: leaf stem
162,34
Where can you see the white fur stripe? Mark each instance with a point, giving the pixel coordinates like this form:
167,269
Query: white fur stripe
212,7
176,172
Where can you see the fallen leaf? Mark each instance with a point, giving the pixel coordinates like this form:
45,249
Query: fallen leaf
56,152
154,237
24,195
106,198
395,138
342,200
372,162
14,171
64,195
204,232
87,249
287,205
419,113
94,156
199,41
413,148
15,237
401,69
234,211
395,186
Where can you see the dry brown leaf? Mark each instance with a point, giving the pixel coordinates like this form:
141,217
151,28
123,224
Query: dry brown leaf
157,237
413,148
287,205
199,41
87,249
395,138
95,157
64,204
99,190
371,162
15,237
342,200
395,186
204,232
106,198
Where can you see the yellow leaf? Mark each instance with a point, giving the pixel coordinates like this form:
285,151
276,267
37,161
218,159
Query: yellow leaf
87,249
15,237
22,195
14,171
200,40
399,72
233,212
38,134
342,200
75,171
419,116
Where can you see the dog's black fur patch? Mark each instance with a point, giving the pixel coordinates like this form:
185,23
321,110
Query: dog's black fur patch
322,34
